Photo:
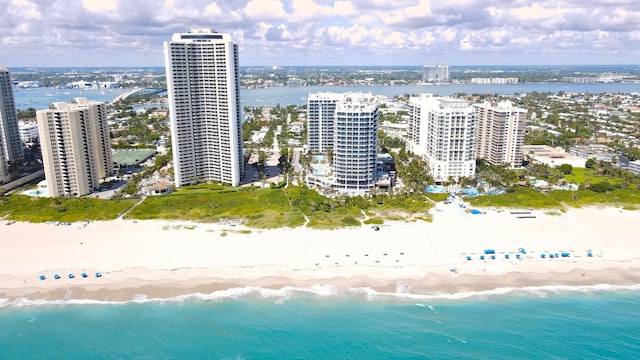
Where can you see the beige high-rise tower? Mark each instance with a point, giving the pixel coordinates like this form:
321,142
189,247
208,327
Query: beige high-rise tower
204,106
499,134
441,130
76,147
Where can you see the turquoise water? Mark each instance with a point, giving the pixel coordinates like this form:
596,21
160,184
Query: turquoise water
41,193
332,323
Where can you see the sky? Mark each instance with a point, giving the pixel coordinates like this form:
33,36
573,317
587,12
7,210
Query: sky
60,33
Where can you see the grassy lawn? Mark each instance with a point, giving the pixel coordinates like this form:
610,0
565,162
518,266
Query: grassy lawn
405,208
522,198
26,208
628,198
274,208
578,175
437,197
582,175
260,208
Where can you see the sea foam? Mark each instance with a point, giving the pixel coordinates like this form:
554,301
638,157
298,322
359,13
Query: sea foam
403,293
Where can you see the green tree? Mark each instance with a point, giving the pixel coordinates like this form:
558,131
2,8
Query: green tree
565,168
601,187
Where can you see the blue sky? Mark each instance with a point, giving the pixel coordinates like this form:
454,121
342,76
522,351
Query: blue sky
318,32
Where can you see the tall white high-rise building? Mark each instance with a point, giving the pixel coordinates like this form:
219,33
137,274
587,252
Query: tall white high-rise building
441,129
347,125
321,109
499,134
204,106
10,143
437,73
76,147
355,144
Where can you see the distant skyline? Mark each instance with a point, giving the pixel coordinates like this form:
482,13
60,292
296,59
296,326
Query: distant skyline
59,33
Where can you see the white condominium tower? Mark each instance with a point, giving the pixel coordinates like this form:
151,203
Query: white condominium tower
321,108
355,145
204,104
347,124
10,143
76,148
500,131
441,129
437,73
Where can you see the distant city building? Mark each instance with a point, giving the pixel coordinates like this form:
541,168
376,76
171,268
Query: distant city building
28,131
347,124
493,81
580,79
76,148
204,107
634,166
9,132
441,129
551,156
499,133
594,151
437,73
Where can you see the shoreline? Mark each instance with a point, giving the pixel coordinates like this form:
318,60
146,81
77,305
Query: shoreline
432,285
167,259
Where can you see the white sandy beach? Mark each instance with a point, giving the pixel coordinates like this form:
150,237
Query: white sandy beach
161,259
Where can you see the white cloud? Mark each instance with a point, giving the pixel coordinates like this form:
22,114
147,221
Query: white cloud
265,9
498,35
336,30
212,10
308,9
97,6
344,8
447,34
26,9
397,15
465,43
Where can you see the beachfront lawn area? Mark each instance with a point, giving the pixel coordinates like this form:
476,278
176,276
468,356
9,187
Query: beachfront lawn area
260,208
37,209
323,212
519,198
437,197
626,198
273,208
578,175
402,207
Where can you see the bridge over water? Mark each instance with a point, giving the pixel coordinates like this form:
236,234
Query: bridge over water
138,91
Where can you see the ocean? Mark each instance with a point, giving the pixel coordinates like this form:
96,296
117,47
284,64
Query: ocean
599,322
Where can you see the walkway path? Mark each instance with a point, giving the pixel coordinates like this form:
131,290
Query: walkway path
131,208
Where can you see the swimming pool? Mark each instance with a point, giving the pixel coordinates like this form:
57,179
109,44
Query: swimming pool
432,189
36,192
